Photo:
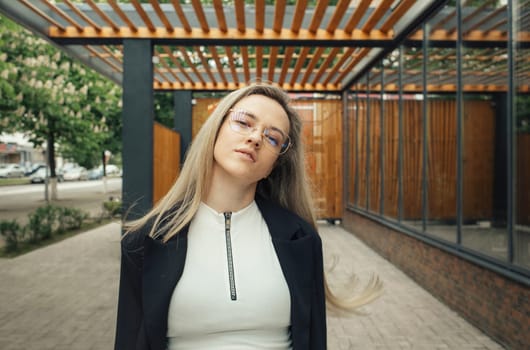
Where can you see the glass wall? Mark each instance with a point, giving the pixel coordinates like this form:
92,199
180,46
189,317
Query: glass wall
441,133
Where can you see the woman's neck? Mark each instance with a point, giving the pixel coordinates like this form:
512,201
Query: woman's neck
229,196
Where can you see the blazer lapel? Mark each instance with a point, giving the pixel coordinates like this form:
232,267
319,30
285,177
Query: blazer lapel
163,266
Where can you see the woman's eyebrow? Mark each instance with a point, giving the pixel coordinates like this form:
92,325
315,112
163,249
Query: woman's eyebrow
257,119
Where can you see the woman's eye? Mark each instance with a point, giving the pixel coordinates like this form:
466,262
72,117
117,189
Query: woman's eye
273,140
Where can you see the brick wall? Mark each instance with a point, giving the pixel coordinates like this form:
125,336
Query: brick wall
497,305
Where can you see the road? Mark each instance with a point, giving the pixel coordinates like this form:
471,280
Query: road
17,201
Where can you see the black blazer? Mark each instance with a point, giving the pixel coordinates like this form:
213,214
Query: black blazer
150,270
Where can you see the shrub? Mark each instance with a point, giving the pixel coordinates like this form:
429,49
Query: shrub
42,223
12,232
70,219
112,207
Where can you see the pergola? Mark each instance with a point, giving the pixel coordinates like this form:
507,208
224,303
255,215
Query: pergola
309,46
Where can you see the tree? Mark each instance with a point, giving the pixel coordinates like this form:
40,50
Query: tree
59,102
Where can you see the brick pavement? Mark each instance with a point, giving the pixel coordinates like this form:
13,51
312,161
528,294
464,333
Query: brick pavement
64,297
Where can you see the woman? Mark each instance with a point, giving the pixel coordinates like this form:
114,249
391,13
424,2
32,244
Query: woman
230,257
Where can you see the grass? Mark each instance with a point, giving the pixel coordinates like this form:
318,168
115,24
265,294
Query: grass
26,247
15,181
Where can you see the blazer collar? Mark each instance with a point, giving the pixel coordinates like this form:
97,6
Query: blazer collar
282,224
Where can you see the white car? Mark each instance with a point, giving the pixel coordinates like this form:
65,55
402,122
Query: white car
11,170
75,174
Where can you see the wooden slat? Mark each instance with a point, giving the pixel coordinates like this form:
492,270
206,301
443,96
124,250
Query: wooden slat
104,59
246,63
272,62
161,15
181,15
166,160
220,70
329,59
312,64
159,72
205,64
199,12
486,19
357,16
143,15
176,62
318,15
220,14
62,14
233,70
168,68
300,61
82,15
231,86
279,12
497,25
376,16
190,64
113,54
259,62
122,15
298,17
345,56
285,64
103,16
397,14
340,11
43,15
260,15
240,15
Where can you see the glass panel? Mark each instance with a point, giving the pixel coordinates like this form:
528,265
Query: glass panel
391,135
412,137
374,154
522,139
442,141
485,163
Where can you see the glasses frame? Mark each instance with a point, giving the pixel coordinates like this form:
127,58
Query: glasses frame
286,145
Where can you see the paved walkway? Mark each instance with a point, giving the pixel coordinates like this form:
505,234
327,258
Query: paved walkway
64,297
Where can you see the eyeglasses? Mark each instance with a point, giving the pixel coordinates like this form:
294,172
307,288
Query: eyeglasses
245,123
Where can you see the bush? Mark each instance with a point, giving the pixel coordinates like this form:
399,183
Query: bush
112,207
42,223
12,233
70,219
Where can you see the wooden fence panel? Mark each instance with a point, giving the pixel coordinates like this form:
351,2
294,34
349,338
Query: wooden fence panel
390,159
166,160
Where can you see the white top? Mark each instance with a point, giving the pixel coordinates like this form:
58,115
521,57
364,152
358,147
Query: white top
202,314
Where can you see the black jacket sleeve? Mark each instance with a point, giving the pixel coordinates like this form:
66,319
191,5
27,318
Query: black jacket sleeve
129,327
318,303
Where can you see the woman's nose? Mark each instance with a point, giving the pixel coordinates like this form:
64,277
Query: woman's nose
255,137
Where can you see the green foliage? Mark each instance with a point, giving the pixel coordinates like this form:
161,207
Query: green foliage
54,99
12,233
112,208
70,219
42,223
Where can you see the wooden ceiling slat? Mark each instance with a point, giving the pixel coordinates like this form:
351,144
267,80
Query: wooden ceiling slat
122,15
113,54
318,15
213,51
477,10
272,62
205,64
363,52
43,15
157,70
497,25
161,15
220,14
246,63
104,59
260,16
356,16
298,17
185,55
329,59
279,13
312,64
259,62
240,15
199,12
289,50
82,15
345,56
340,11
300,61
181,15
444,21
397,14
176,62
168,68
143,15
103,16
62,14
376,16
233,70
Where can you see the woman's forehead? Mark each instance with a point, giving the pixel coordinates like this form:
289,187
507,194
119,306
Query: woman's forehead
265,109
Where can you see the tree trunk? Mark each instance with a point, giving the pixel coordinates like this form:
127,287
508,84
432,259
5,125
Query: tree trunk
51,163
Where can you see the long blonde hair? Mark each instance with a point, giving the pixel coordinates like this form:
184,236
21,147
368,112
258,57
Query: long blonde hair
287,185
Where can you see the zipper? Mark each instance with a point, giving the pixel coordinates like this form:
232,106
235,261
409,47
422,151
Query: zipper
231,278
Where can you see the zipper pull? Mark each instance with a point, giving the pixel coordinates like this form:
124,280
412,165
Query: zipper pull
228,239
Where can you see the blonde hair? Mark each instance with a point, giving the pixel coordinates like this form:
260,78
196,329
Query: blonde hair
287,185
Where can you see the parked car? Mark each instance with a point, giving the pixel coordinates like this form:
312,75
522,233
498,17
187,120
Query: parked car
111,170
11,170
95,174
78,173
40,176
34,168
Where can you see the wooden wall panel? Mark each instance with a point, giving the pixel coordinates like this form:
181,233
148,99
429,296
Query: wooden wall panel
166,160
374,157
200,112
390,158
